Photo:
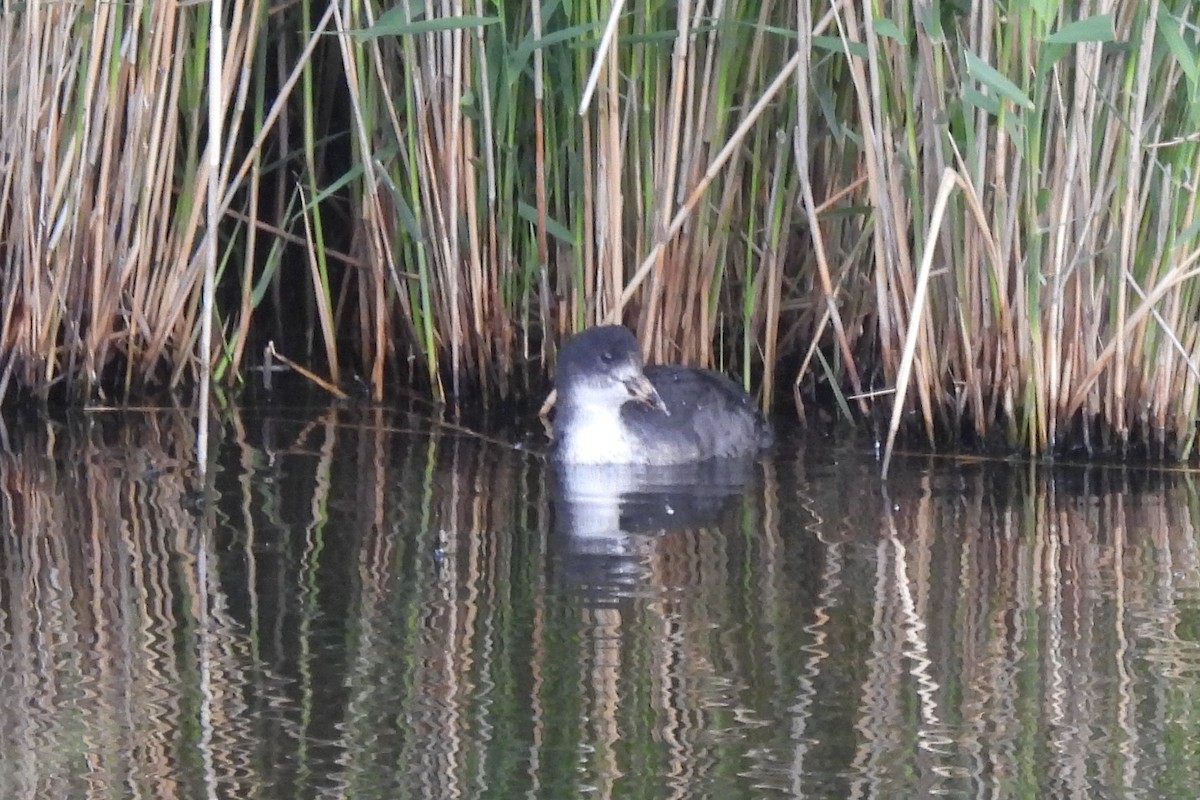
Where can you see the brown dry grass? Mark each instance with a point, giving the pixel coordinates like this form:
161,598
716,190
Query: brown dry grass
747,184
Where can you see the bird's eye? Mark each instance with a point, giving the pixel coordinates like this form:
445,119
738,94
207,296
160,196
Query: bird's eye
607,357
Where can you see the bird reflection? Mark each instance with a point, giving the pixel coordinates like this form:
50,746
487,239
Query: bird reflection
610,517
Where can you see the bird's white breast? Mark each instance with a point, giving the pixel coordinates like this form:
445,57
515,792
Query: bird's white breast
598,437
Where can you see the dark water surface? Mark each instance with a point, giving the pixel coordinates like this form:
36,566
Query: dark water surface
367,606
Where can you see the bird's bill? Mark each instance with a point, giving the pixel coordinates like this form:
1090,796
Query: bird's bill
641,389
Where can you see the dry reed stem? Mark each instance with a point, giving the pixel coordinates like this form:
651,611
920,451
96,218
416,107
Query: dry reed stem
320,296
916,317
216,53
307,373
805,33
603,52
697,193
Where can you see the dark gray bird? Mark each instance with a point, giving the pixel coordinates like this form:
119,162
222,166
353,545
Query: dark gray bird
612,410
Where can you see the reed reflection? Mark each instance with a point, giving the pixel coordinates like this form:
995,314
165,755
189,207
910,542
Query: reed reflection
100,540
368,604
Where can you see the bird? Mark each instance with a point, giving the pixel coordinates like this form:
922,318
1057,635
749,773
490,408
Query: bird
611,409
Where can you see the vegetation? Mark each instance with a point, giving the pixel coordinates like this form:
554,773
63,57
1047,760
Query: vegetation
992,211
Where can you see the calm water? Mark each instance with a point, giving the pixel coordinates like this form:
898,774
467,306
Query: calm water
365,606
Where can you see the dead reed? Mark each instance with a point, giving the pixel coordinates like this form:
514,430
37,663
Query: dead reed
1063,291
750,186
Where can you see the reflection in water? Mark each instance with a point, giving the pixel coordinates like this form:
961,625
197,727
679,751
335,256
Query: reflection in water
610,517
362,605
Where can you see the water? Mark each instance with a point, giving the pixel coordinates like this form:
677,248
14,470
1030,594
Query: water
363,605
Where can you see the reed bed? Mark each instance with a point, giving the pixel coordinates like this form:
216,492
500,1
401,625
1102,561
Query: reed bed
426,194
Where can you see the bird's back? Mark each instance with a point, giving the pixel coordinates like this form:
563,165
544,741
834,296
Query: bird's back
711,417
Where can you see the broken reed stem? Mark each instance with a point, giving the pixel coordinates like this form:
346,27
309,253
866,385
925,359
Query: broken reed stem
307,374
